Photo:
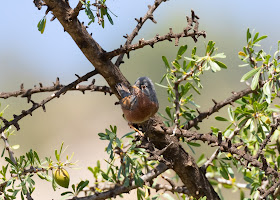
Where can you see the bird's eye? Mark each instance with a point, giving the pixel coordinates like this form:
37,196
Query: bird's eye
143,86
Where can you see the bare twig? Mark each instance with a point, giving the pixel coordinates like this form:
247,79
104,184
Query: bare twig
141,21
141,43
57,94
267,139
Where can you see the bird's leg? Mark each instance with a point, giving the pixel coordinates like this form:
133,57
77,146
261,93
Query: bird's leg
135,129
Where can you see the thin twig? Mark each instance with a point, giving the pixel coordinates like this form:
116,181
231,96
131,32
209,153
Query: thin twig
35,106
140,23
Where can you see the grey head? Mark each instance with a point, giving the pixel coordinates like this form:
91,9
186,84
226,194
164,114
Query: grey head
147,86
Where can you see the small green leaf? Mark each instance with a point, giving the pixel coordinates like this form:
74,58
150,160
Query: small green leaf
181,51
194,144
260,38
220,118
165,62
222,65
249,74
255,80
109,18
42,24
248,35
214,66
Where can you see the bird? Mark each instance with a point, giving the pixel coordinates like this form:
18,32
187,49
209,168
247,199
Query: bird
139,102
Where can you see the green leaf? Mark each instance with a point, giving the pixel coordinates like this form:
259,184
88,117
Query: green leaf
194,144
165,62
220,118
249,74
255,37
255,80
222,65
214,66
181,51
109,18
219,55
128,134
260,38
248,35
267,92
42,24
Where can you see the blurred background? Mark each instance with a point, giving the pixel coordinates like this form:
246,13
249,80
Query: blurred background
29,57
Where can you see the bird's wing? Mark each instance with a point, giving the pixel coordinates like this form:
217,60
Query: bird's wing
122,90
129,102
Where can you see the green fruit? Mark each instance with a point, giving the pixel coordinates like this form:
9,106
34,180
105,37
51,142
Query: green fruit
61,177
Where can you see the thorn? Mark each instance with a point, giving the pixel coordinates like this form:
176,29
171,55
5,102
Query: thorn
83,23
215,102
90,34
44,108
176,41
152,45
41,85
117,103
170,31
53,18
121,62
126,36
93,81
229,144
246,149
138,21
197,111
127,55
57,81
21,87
220,135
17,126
15,116
152,19
77,75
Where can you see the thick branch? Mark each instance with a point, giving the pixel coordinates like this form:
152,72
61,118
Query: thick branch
90,48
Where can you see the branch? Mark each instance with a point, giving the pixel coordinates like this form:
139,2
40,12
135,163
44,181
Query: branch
140,23
8,148
217,107
217,151
225,146
267,139
141,43
117,190
56,86
57,94
270,190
